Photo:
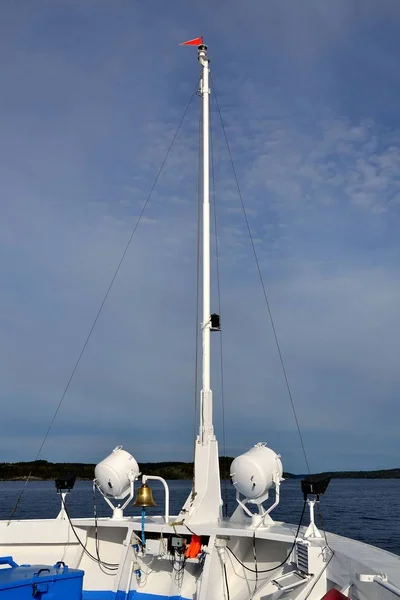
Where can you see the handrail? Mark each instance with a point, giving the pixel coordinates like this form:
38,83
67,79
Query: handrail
382,580
156,478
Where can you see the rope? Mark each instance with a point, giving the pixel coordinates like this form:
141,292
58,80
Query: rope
262,283
219,312
99,311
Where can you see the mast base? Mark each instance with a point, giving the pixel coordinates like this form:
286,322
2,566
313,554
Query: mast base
204,503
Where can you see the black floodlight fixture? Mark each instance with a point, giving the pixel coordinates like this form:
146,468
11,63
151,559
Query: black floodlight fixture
65,483
215,322
315,485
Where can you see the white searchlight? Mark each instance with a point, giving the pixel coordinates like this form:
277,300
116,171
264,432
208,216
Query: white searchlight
115,478
253,474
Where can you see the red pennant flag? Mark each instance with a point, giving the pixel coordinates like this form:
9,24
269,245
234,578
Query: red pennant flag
196,42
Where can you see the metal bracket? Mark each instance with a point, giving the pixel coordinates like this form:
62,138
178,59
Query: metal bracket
381,579
371,578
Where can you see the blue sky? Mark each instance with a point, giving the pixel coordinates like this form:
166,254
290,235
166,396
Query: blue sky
92,93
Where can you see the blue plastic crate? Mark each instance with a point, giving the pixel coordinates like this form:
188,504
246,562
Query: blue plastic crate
39,581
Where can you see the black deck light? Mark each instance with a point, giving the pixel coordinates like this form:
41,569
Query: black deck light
65,482
315,485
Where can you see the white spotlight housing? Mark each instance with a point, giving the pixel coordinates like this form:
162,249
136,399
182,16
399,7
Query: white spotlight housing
253,474
114,474
115,477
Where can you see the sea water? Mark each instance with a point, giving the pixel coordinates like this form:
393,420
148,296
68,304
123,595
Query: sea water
364,509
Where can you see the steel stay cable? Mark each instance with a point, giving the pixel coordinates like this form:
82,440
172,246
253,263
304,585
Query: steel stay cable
219,312
262,282
288,387
258,571
109,566
89,335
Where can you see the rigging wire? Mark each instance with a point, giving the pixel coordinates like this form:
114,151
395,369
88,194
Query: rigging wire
262,281
323,526
225,500
255,562
96,532
288,387
109,566
105,567
99,311
258,571
310,591
226,582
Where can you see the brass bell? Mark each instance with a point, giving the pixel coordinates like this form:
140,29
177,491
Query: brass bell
144,497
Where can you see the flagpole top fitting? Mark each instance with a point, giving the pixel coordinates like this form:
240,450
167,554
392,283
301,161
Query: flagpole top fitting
202,52
195,42
201,47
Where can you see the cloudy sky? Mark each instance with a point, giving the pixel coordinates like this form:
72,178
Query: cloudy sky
91,95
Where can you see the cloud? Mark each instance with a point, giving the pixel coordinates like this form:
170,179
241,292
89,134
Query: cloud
91,101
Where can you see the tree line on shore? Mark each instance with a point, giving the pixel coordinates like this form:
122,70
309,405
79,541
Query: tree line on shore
42,469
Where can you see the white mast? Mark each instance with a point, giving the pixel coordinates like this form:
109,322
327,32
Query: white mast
206,425
204,503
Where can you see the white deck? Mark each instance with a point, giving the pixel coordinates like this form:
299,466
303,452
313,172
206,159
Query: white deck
47,541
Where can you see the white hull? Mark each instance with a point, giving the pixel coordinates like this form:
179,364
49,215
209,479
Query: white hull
50,540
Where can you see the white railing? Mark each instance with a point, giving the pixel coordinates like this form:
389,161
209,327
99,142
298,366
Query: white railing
382,580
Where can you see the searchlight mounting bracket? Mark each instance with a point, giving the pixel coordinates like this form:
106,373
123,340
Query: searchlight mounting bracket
118,511
262,518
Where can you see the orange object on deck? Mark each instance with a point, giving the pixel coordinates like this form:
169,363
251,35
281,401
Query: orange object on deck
194,547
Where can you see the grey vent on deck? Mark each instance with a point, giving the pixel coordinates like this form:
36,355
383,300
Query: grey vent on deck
302,557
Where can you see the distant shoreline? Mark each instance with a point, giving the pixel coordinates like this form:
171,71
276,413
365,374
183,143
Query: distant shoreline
42,470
